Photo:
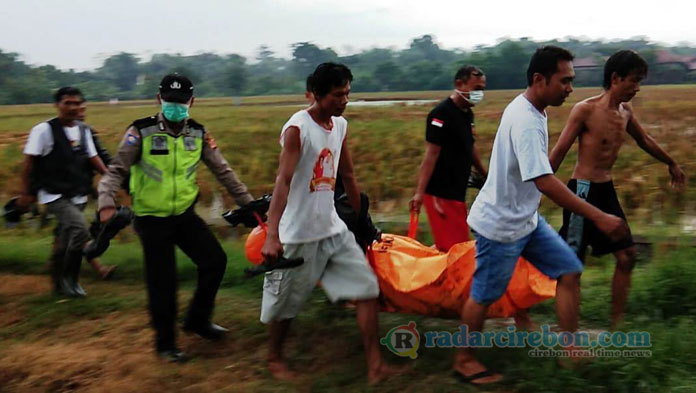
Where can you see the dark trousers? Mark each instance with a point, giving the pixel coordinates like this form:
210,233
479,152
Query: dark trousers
158,236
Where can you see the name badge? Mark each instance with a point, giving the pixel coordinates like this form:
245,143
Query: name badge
189,143
159,145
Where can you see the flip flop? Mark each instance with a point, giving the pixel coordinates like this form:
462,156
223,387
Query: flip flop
471,378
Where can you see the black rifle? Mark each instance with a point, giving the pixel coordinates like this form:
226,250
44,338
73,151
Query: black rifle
475,180
13,213
107,231
360,223
251,214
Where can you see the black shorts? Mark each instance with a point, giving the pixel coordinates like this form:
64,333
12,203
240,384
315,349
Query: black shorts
579,232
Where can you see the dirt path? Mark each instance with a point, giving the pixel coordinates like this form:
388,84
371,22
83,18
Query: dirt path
112,351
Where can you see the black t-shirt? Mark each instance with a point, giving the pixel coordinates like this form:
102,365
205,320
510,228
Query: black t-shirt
450,128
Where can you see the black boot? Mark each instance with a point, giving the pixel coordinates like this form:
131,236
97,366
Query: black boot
173,355
206,330
72,272
61,285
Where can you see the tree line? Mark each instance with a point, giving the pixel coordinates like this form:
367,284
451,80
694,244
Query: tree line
423,65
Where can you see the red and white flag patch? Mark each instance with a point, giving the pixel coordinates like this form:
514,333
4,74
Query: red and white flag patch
437,122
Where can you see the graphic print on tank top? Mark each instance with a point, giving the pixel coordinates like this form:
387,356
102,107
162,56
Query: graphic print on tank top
324,176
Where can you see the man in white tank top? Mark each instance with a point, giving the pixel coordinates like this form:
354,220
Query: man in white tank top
303,223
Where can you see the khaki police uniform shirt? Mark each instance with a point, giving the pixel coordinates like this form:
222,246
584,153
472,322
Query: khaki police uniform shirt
129,153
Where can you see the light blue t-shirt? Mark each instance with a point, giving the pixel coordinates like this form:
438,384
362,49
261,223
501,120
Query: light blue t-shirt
505,209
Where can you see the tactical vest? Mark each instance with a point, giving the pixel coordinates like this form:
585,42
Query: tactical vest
66,169
163,181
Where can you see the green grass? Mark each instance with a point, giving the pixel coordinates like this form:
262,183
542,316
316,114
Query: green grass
387,143
326,344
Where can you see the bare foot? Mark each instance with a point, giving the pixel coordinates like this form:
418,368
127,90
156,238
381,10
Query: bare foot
281,371
524,323
470,367
106,272
385,371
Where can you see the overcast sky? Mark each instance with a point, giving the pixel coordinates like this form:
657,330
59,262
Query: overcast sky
79,34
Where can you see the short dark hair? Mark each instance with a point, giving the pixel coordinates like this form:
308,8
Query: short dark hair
467,72
329,75
67,91
623,63
308,83
545,62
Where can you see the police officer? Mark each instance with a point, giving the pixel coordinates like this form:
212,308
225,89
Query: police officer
59,158
162,153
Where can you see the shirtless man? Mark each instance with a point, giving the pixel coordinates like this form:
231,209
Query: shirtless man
600,124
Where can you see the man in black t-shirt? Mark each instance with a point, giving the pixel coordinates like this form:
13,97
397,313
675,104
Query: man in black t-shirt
449,155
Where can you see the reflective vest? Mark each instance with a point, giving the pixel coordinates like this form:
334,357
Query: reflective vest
163,181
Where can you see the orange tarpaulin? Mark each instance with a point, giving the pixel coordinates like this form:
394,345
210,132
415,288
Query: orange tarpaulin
417,279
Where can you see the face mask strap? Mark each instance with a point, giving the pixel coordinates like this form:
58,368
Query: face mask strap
464,97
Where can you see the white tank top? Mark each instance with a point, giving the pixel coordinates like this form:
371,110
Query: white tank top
310,214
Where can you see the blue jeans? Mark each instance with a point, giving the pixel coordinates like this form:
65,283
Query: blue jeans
496,261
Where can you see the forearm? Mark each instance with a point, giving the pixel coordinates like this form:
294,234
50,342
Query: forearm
558,154
424,174
650,145
477,163
109,184
279,201
555,158
226,176
98,164
119,169
555,190
26,174
352,190
235,187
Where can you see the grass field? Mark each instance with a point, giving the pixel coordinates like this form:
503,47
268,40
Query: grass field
103,343
387,143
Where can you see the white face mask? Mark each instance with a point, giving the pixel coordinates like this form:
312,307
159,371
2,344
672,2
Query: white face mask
474,96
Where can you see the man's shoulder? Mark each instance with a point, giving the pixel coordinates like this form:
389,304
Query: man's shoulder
84,126
41,127
519,114
340,120
196,125
144,122
587,106
442,109
297,117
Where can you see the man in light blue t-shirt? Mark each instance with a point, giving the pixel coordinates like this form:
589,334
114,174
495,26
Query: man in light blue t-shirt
504,215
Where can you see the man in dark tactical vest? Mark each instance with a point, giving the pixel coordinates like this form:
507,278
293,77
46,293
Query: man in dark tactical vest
104,272
162,153
59,158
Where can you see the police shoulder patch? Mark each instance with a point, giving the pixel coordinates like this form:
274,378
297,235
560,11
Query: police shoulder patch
131,137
